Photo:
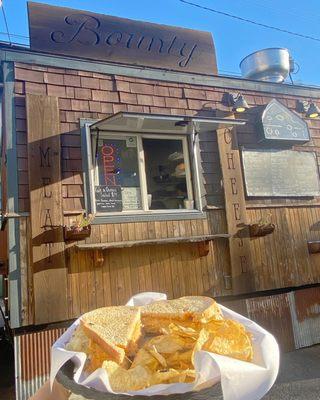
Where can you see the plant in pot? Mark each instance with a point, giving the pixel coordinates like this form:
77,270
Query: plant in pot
263,227
80,228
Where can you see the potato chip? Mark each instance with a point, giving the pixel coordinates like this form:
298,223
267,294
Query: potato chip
166,344
158,356
202,339
146,360
180,360
125,380
172,376
184,331
228,338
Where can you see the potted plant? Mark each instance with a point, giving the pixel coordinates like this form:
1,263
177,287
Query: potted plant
79,230
262,228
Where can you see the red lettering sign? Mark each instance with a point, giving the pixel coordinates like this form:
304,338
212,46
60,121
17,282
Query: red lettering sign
108,162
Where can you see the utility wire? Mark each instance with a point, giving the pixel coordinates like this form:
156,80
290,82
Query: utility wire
5,22
15,35
294,12
249,21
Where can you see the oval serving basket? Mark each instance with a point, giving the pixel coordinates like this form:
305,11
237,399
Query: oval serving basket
65,378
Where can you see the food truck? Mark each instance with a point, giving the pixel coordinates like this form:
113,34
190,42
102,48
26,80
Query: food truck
129,164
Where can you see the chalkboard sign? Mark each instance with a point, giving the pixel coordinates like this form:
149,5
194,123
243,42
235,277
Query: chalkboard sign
281,124
108,198
280,173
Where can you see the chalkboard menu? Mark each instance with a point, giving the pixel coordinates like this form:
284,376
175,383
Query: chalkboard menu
108,198
280,173
281,124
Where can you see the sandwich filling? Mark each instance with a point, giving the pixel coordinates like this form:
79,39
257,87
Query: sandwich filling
188,311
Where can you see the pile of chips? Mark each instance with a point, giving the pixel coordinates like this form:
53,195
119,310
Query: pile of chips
169,357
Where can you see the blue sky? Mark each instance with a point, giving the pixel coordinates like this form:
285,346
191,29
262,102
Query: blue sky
233,39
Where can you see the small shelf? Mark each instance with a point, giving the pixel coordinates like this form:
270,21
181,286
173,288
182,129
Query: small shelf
132,243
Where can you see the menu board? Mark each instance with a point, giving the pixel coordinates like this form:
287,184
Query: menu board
108,198
131,198
280,173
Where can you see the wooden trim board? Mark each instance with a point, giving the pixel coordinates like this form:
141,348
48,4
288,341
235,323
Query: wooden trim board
49,268
239,243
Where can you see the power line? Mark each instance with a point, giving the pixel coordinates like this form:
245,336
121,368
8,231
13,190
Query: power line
249,21
14,35
5,22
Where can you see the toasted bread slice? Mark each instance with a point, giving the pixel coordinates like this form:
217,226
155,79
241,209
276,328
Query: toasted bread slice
192,311
81,342
115,329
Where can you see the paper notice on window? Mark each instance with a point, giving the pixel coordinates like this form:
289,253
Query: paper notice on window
131,198
131,141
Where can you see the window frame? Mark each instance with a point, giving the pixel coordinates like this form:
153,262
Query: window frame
191,151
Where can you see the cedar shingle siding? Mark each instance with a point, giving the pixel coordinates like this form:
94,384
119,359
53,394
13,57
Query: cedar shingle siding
91,95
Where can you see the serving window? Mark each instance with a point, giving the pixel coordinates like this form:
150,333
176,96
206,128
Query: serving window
145,166
141,173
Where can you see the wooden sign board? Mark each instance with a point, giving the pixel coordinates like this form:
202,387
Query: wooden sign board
70,32
242,277
49,269
280,173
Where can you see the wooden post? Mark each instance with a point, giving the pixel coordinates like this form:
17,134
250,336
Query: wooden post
242,277
49,268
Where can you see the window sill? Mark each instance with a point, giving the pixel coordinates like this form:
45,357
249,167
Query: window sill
151,216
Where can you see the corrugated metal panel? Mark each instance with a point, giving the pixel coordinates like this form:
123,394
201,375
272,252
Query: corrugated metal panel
32,360
273,313
305,310
239,306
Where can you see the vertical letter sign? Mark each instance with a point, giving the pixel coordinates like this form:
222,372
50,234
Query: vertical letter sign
239,245
49,269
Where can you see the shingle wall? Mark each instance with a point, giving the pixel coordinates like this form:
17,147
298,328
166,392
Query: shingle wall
92,95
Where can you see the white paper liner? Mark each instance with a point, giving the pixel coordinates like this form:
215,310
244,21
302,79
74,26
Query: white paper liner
240,380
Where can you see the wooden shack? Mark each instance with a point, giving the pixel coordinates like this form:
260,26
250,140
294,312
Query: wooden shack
188,196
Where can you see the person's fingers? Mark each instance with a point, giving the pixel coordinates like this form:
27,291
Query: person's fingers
44,393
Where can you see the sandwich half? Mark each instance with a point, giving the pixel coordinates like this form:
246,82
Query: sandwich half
188,311
116,330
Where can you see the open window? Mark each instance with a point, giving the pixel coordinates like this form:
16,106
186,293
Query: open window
145,165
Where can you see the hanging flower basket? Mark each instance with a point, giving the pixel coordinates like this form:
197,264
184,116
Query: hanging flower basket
259,230
72,233
79,230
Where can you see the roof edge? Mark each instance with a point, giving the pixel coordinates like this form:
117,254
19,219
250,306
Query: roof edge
27,56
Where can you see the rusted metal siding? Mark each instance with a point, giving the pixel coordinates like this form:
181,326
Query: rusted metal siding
293,317
239,306
273,314
32,360
305,312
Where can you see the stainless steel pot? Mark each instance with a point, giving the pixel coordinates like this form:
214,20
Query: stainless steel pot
269,65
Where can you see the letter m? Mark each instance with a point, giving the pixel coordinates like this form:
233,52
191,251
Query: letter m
44,157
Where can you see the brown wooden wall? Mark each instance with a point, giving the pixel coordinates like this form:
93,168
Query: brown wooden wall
278,260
